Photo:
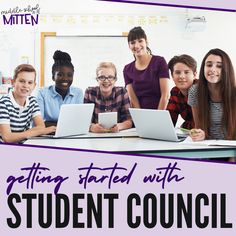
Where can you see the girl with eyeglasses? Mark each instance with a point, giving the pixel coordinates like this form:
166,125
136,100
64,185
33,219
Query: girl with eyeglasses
108,98
147,77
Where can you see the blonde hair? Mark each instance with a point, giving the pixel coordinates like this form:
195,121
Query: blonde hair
106,65
23,68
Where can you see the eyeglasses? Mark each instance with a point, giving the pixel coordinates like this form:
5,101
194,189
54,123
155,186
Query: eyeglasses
109,78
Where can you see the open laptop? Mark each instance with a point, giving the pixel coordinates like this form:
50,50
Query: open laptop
154,124
73,120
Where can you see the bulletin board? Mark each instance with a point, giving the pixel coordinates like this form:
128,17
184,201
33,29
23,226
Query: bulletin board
86,51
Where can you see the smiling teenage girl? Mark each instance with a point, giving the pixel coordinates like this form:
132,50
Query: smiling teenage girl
213,100
146,78
108,98
18,109
51,98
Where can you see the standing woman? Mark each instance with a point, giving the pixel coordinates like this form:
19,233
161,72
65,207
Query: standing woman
213,99
51,98
146,78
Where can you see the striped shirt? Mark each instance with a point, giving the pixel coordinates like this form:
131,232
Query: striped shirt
118,102
19,118
216,112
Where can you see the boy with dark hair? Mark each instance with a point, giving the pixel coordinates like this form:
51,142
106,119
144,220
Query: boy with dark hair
183,71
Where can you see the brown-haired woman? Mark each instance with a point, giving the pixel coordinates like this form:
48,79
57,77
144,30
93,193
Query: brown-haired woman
147,77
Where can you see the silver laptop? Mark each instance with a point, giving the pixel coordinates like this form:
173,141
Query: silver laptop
154,124
73,120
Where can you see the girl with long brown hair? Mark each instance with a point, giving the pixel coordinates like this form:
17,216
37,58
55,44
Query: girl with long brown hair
213,99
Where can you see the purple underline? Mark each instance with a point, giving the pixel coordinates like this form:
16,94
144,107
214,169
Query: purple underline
171,5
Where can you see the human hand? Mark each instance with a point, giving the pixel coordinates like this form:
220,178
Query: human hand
97,128
49,130
197,134
114,129
37,131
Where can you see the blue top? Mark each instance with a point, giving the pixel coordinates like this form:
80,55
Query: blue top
50,101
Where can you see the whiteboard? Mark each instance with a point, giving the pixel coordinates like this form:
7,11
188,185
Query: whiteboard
86,53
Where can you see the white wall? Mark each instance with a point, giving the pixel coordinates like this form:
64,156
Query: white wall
165,27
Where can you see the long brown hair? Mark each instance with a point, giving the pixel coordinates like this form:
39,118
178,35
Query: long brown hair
227,93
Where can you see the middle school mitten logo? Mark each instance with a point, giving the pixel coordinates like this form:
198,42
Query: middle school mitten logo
21,16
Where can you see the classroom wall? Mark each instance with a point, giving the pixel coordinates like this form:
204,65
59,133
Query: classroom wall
165,27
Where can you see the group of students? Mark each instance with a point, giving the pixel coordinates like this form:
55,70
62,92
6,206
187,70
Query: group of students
207,104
